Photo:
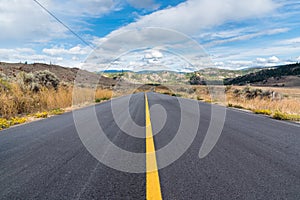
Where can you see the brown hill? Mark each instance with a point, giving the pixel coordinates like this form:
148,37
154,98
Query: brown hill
63,73
284,75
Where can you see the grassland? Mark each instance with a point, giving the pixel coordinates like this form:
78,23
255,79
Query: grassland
25,98
279,103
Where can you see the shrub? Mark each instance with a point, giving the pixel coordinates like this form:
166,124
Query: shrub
167,93
280,116
98,100
176,95
17,120
191,90
235,106
228,88
197,79
181,89
250,93
41,115
199,98
263,111
4,85
36,81
57,111
238,106
236,91
284,116
4,123
47,79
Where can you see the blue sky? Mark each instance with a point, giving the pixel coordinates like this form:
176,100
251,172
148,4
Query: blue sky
234,34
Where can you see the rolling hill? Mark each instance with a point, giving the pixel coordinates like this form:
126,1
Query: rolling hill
64,74
284,75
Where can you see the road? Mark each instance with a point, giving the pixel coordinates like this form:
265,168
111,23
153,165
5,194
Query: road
255,157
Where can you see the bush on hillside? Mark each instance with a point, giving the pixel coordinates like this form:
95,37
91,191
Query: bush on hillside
35,81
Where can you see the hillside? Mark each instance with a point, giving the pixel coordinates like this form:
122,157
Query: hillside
170,77
285,75
64,74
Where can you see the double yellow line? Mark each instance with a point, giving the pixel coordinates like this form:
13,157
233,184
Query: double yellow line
153,191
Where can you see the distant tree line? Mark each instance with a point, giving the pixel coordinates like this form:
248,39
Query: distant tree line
277,72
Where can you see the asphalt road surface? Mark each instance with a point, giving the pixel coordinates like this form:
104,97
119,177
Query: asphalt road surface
255,157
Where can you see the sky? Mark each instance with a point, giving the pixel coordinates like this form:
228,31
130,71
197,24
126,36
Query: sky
157,34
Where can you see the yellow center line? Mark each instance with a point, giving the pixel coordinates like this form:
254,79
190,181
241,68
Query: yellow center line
153,191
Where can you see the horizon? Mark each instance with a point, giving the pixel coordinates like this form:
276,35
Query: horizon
117,70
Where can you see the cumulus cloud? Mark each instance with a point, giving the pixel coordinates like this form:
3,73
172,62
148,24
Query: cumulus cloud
27,21
65,57
272,59
153,54
194,15
190,17
261,60
77,50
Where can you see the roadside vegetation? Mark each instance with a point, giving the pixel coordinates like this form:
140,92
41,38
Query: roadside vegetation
38,95
278,103
264,75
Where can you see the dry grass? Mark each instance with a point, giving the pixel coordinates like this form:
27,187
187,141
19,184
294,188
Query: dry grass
16,101
286,104
288,101
104,94
84,96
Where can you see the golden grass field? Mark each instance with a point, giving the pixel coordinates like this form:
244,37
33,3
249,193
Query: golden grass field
19,104
285,105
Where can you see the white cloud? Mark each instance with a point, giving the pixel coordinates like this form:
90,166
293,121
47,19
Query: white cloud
240,64
26,21
190,17
290,41
31,56
261,60
194,15
153,54
77,50
85,8
242,37
273,59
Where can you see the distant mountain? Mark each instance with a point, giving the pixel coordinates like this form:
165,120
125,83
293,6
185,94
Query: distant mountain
287,75
113,71
170,77
216,74
284,75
